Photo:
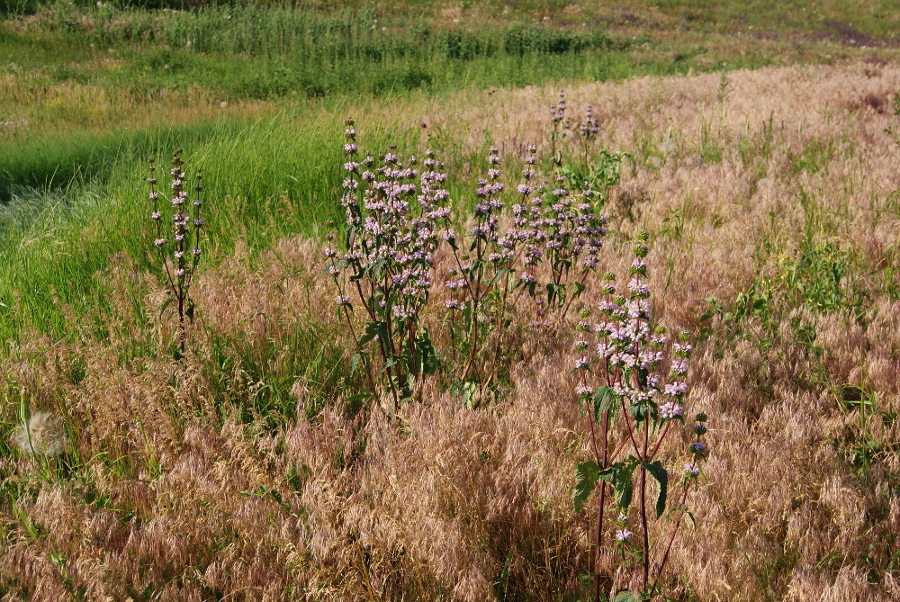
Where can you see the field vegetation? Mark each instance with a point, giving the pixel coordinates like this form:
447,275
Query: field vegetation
755,145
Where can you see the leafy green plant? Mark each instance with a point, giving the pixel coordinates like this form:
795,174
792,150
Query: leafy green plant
580,162
393,230
398,214
630,412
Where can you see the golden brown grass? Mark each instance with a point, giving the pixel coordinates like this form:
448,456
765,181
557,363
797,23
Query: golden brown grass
176,489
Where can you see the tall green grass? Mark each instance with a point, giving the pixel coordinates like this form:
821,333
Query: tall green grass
316,36
263,181
251,52
79,158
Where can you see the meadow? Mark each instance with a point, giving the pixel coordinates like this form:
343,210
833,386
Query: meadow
280,457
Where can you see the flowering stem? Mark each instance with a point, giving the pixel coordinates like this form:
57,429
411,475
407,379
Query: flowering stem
571,298
630,429
181,333
646,536
643,509
369,376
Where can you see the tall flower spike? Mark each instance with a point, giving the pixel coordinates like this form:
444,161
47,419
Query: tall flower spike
179,250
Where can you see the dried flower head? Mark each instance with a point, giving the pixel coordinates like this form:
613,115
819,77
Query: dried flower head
42,435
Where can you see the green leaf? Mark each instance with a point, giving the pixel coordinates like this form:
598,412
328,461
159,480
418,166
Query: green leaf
662,477
428,358
605,400
716,310
466,389
165,305
372,329
552,291
626,597
354,362
621,482
587,474
355,400
640,411
500,274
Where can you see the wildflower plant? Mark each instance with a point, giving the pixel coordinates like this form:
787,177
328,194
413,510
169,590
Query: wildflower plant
482,278
632,384
396,215
564,232
179,225
536,241
580,161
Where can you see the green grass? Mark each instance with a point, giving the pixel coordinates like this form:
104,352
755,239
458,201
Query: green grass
264,180
71,188
82,157
249,52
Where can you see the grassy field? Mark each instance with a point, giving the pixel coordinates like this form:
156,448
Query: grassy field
761,145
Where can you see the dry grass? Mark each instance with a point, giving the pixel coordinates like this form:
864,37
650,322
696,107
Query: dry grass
176,489
57,108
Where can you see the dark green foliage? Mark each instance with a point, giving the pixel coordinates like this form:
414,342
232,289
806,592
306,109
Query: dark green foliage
246,51
82,158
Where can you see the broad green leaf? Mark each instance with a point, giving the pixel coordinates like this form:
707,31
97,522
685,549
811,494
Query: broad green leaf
358,397
587,474
626,597
372,329
165,305
552,290
662,477
354,362
500,274
640,411
428,359
605,400
622,484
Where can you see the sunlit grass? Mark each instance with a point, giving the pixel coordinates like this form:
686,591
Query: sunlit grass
243,470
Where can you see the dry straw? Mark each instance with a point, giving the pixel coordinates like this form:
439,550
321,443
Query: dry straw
185,496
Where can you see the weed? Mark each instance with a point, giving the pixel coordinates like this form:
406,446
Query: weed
622,394
180,254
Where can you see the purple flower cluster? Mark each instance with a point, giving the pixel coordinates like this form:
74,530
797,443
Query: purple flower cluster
186,228
558,111
485,230
179,254
396,216
632,352
590,127
699,448
490,250
556,227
